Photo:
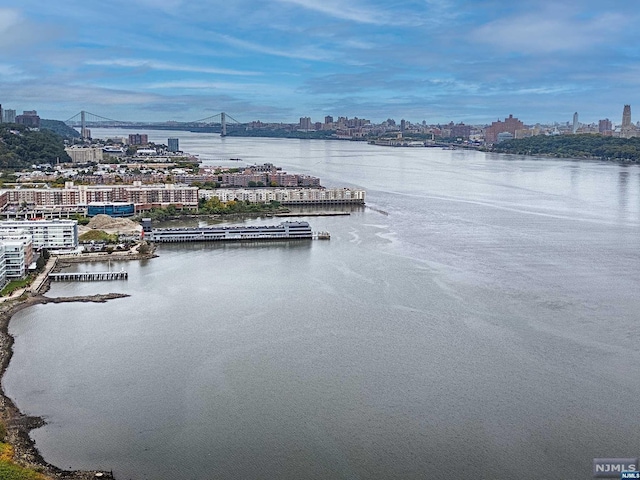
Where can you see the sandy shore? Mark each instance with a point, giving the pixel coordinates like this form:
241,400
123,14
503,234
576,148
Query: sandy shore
19,425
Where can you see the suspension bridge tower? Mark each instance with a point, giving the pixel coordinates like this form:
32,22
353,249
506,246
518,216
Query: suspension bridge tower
223,121
83,126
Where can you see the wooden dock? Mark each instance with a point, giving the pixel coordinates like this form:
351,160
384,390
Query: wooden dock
88,276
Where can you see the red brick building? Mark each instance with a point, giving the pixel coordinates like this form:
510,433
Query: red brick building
510,125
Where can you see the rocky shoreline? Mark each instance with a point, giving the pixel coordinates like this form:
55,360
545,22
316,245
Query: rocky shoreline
18,425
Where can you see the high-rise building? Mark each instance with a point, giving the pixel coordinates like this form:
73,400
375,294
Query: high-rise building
627,129
1,115
605,126
305,123
328,119
9,116
626,116
575,123
173,145
138,139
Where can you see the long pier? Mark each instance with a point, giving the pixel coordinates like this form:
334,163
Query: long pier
88,276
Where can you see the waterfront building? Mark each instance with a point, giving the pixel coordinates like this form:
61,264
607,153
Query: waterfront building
288,196
18,252
283,231
173,145
3,268
510,125
15,263
49,234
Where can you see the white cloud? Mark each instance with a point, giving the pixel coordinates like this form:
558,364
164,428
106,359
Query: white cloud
135,63
8,19
549,32
306,54
10,72
346,11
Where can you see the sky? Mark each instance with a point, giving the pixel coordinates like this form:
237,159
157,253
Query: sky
471,61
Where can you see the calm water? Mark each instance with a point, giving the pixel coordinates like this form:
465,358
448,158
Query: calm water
478,319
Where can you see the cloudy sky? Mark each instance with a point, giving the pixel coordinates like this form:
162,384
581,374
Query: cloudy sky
277,60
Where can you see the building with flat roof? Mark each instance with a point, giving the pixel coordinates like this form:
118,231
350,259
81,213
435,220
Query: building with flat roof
138,139
20,236
288,196
144,197
29,118
3,268
49,234
9,116
113,209
85,154
15,264
510,125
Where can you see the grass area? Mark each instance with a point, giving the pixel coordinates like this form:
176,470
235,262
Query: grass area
11,471
14,285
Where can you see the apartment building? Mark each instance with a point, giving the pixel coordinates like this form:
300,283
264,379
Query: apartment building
287,195
49,234
3,268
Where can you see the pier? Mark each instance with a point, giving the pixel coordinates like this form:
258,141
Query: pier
88,276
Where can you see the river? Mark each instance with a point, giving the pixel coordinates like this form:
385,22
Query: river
477,319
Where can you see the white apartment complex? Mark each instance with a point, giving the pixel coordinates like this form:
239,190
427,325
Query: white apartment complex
3,268
14,257
49,234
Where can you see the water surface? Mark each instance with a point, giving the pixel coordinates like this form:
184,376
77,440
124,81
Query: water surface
477,320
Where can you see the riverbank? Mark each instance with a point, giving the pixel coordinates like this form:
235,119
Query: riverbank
18,425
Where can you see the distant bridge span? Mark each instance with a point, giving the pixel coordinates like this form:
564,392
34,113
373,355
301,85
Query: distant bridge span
86,120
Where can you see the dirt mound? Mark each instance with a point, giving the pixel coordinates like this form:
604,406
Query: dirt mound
107,223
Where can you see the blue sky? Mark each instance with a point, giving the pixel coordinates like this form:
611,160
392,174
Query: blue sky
278,60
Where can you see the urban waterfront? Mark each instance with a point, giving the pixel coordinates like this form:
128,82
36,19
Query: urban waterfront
477,319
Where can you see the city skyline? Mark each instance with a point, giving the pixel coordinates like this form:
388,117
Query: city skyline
439,61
